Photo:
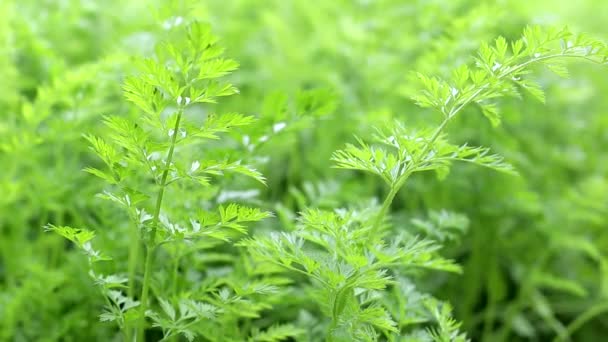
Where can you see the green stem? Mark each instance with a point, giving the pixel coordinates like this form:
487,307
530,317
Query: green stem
585,317
403,178
150,245
429,144
134,252
385,206
133,255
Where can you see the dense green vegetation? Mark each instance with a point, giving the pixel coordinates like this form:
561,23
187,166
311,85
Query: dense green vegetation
303,170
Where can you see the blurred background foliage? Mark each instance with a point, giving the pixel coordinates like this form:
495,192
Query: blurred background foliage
535,256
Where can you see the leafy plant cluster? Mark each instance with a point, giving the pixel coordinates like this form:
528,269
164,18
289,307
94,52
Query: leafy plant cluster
165,192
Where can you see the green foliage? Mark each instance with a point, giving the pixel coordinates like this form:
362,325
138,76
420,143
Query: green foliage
182,74
347,263
500,70
413,152
189,196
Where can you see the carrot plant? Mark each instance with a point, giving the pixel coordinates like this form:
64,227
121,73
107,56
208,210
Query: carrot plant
142,164
193,222
352,256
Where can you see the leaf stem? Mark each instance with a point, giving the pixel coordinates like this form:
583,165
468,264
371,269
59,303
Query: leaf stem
448,116
403,178
384,209
133,254
586,316
150,245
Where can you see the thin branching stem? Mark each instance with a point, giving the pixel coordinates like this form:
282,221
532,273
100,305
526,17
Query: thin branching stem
585,317
384,209
448,115
133,253
150,245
